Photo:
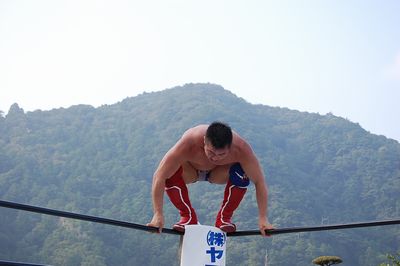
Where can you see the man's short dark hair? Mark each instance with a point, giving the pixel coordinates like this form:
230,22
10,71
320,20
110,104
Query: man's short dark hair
219,135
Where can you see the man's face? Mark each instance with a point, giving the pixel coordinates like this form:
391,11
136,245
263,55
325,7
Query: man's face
215,155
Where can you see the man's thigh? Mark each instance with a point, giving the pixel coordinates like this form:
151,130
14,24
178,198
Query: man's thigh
220,174
189,173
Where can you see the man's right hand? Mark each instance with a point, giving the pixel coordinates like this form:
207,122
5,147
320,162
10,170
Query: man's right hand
157,221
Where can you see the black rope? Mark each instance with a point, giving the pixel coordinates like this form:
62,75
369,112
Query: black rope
316,228
95,219
14,263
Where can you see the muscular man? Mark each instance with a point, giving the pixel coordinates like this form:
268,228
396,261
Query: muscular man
215,154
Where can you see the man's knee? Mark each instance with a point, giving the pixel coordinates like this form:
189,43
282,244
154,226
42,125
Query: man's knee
237,176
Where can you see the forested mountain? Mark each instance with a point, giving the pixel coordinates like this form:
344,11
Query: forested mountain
100,161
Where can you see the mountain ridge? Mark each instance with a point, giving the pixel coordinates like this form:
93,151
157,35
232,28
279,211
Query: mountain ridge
100,161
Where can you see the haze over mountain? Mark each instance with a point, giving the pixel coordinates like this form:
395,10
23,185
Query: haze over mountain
100,161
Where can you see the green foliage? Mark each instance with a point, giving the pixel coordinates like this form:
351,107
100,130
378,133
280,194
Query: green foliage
100,161
327,260
393,260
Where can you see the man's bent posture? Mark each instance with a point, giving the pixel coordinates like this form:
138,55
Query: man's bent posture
215,154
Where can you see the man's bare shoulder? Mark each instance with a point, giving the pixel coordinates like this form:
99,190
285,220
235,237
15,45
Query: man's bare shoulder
194,133
192,137
241,147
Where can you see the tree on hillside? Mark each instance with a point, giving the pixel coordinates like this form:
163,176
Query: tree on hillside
327,260
394,260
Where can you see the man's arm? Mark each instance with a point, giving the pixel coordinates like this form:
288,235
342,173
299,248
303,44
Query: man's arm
253,170
172,160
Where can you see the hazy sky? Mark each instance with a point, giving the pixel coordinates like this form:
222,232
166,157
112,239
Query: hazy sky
321,56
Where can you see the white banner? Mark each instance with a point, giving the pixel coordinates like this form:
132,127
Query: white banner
203,245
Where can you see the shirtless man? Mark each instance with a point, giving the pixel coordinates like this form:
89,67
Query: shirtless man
215,154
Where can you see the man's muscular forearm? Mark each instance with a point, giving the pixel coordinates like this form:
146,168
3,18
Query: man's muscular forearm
158,201
158,195
262,202
262,199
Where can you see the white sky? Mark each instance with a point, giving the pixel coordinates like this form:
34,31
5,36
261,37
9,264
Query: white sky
320,56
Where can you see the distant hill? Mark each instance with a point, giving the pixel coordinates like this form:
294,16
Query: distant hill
100,161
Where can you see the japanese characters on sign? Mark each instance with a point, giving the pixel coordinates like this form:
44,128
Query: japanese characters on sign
203,246
215,241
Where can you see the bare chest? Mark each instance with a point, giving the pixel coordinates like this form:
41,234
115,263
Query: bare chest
200,161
